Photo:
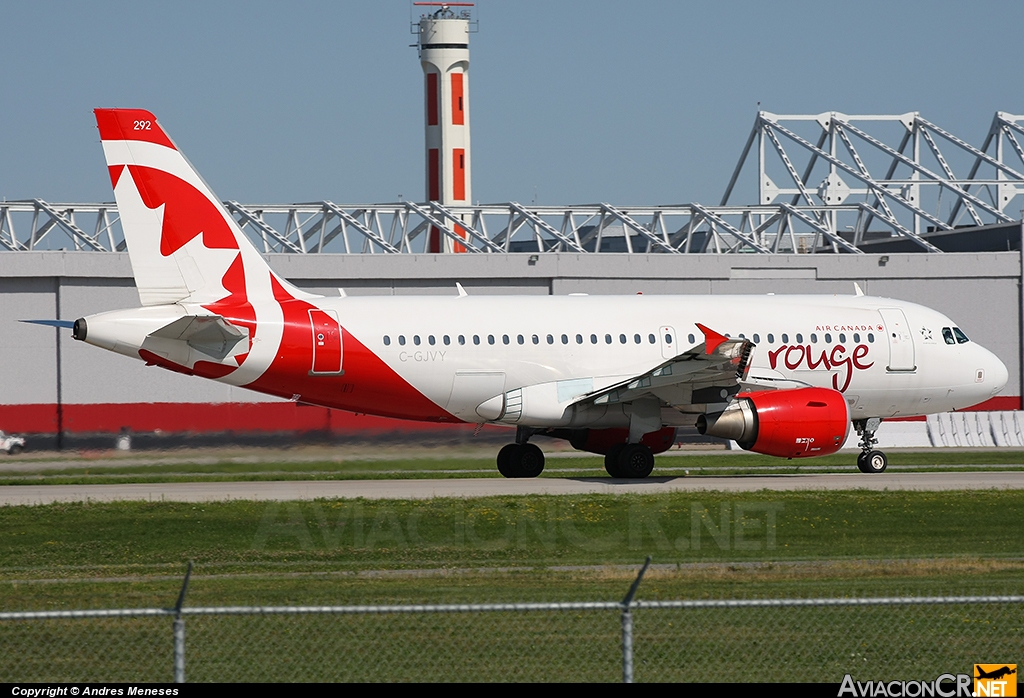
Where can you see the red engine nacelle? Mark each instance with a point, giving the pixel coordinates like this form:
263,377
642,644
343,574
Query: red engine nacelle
785,423
601,440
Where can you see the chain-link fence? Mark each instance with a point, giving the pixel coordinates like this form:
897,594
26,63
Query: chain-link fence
741,640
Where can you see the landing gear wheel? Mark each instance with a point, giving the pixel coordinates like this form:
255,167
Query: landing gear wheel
872,462
506,460
531,461
611,460
635,461
520,460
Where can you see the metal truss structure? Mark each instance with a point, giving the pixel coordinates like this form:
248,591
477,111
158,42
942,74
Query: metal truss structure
825,183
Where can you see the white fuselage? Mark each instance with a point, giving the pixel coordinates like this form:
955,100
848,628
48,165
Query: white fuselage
888,358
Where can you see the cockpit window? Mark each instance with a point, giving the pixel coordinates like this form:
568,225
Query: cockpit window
961,338
947,334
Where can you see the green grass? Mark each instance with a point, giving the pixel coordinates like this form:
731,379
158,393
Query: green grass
291,548
507,549
466,464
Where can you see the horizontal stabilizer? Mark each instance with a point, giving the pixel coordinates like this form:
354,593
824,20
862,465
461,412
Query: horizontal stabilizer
209,334
66,324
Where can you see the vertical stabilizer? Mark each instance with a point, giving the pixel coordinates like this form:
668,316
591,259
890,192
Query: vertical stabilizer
183,244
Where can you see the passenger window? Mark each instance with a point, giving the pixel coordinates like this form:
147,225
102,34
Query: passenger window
401,339
771,338
828,338
842,338
551,340
607,339
520,339
593,339
447,340
476,339
462,339
579,339
871,337
785,338
622,339
430,340
536,339
636,339
504,339
814,338
799,338
757,338
490,339
416,339
387,341
565,339
856,337
652,339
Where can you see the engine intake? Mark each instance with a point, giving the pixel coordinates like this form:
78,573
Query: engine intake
786,423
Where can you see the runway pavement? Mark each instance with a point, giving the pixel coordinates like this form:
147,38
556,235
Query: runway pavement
484,487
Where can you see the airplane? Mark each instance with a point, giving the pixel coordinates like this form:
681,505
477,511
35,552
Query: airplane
780,375
995,673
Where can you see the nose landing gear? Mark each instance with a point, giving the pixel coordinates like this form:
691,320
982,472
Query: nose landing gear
869,460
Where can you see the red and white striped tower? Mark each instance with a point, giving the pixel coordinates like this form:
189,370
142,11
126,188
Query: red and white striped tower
444,55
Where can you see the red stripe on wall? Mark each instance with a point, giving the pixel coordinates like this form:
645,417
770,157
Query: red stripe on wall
206,418
459,174
458,115
433,174
432,99
434,194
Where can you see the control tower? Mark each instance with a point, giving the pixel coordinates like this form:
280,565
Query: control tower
444,54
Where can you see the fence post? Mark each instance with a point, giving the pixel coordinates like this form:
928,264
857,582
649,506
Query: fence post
627,625
179,631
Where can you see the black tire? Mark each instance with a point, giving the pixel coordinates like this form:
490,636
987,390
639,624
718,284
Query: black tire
531,461
635,461
16,449
611,460
507,460
872,462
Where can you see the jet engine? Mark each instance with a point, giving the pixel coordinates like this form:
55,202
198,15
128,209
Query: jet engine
786,423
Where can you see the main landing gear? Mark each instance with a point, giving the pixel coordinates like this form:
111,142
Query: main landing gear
521,459
869,460
629,461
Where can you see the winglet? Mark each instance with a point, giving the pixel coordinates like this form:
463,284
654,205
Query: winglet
857,289
462,291
712,340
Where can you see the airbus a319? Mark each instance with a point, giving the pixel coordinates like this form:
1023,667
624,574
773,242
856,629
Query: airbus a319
614,375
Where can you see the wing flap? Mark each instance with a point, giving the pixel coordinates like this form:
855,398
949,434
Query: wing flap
711,371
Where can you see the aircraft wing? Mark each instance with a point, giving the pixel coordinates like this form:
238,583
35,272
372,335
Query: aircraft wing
706,374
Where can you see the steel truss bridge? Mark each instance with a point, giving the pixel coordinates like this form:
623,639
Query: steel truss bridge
823,183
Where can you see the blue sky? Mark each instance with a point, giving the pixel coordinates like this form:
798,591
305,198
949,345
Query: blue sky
571,102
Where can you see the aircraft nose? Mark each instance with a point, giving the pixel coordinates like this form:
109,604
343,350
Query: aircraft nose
991,372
